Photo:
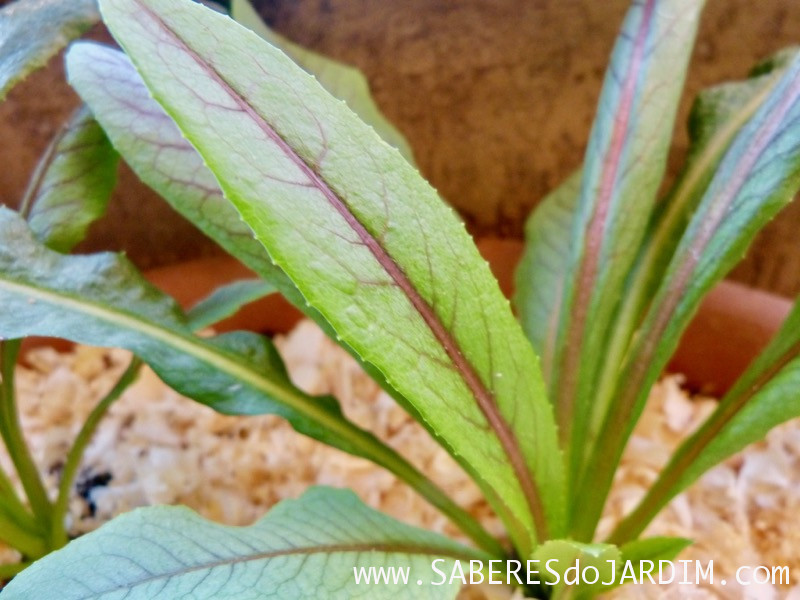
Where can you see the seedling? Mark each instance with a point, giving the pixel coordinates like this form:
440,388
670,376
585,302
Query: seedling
285,177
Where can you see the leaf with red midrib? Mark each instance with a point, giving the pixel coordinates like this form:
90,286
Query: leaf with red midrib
365,239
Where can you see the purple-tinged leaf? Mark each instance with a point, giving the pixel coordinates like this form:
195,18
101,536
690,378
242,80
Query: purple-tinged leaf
625,161
365,239
758,175
762,398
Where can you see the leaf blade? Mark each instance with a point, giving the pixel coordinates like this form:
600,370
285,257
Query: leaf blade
299,549
152,144
363,272
101,300
73,183
757,177
541,271
625,160
762,398
343,81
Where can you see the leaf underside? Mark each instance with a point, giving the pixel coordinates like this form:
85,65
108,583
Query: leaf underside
305,548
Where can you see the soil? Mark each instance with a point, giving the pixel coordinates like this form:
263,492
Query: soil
155,447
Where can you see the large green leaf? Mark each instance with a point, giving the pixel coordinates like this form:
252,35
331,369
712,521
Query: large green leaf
624,164
306,548
72,183
343,81
364,238
31,31
542,268
152,144
758,175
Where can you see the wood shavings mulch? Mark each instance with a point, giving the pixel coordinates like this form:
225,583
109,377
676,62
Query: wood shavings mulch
156,447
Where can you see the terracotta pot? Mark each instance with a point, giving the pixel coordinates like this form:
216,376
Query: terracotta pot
731,327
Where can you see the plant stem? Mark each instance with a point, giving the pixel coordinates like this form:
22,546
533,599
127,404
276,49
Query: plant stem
58,537
11,431
29,544
12,505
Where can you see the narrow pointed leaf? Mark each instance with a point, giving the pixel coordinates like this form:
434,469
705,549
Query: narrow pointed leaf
31,31
717,115
72,183
364,238
759,175
343,81
226,301
541,271
625,161
305,548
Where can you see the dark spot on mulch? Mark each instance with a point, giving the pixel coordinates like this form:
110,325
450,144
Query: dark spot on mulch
87,482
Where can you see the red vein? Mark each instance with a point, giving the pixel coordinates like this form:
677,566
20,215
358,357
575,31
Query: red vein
587,274
484,398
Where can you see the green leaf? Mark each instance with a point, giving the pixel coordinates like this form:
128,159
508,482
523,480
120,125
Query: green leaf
542,268
343,81
31,31
226,301
583,569
101,300
364,238
305,548
759,174
152,144
624,164
717,116
72,183
654,549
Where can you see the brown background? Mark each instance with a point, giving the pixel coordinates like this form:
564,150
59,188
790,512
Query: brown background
495,96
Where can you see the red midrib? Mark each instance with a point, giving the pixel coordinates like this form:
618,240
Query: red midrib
594,236
486,401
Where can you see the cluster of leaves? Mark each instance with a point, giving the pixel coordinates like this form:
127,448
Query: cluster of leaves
239,138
